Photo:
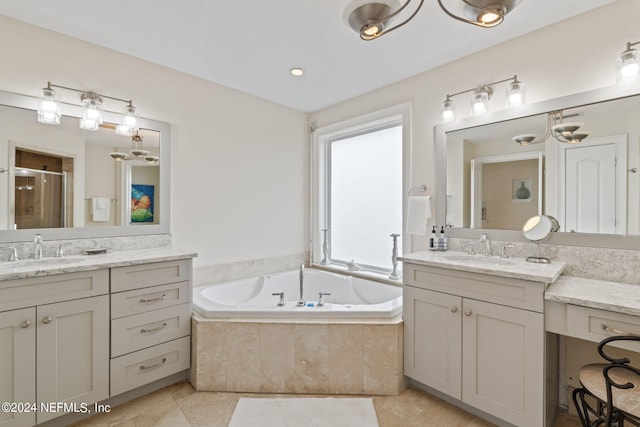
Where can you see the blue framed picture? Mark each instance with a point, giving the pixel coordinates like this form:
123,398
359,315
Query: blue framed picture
142,203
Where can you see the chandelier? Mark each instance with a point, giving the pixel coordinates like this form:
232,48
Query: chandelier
567,132
137,152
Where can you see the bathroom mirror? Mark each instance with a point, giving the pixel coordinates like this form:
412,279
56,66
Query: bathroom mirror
61,182
566,177
538,229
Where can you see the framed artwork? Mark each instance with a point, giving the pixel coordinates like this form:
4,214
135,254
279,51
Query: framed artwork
142,198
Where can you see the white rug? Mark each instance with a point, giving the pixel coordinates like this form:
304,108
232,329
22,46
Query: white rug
304,412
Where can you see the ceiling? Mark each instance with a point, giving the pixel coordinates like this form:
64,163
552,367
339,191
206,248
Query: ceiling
250,45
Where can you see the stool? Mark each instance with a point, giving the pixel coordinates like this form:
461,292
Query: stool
610,392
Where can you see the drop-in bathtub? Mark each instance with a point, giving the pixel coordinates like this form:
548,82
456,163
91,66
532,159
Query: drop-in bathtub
349,297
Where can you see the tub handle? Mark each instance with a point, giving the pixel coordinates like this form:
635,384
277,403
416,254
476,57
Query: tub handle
281,295
321,298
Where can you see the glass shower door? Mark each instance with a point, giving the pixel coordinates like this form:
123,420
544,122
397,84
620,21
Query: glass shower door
40,199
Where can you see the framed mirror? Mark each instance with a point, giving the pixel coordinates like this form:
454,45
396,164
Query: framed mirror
591,187
61,181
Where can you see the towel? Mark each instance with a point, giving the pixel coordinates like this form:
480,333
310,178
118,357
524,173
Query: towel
418,214
101,208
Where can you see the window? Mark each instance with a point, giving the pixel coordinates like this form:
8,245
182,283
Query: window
359,188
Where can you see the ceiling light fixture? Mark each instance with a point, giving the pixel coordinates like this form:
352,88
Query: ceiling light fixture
481,96
137,152
628,64
564,132
482,13
296,71
49,109
371,20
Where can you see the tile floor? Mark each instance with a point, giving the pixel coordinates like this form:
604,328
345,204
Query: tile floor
180,405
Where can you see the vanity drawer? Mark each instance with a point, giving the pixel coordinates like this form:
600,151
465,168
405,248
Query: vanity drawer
148,365
501,290
594,325
48,289
148,299
153,274
139,331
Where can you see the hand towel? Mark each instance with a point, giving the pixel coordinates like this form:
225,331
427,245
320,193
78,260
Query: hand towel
418,214
101,208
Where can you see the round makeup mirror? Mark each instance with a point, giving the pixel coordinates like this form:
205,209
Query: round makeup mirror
538,229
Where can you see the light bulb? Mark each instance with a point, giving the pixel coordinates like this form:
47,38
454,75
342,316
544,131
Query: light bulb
49,107
448,114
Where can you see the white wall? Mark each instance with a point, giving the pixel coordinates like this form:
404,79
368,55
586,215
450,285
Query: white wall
239,163
570,57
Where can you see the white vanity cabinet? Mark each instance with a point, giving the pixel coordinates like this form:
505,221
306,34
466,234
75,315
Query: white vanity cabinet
477,338
150,322
53,343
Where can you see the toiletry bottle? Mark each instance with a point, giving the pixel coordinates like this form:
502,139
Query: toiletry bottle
432,239
441,239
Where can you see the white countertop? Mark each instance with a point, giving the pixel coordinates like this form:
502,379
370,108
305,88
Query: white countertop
73,263
516,268
601,294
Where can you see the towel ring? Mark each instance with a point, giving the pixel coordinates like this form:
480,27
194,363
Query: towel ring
422,188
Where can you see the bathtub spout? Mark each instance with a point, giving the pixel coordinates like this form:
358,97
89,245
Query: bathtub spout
301,302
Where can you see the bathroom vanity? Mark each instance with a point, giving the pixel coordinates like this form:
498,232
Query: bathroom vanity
83,329
475,331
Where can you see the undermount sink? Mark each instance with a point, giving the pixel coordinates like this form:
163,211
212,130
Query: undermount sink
478,259
43,261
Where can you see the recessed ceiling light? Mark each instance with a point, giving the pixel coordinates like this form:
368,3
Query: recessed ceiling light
296,72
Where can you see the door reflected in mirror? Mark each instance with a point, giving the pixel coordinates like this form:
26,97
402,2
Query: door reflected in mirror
591,186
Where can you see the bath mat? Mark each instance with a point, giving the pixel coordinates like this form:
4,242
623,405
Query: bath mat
304,412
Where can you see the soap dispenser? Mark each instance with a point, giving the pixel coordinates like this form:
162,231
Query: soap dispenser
432,239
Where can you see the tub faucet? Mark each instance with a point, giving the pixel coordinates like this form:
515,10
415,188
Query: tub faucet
38,247
301,302
487,244
281,302
321,296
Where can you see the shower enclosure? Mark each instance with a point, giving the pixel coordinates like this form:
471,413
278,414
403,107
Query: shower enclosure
41,198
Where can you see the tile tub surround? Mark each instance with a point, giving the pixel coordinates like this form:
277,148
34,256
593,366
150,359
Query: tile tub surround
615,265
207,275
309,357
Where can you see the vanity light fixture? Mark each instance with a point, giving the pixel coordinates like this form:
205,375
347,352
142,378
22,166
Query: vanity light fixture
628,64
568,132
371,20
137,152
49,109
482,95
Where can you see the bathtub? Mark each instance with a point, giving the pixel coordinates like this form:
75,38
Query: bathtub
350,297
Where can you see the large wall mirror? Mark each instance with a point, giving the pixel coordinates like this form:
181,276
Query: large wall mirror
488,181
60,181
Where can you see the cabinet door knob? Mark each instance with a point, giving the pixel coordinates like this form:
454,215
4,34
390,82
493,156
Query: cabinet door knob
47,319
26,323
453,309
467,312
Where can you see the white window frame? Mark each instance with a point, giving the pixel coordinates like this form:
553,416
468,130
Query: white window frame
320,168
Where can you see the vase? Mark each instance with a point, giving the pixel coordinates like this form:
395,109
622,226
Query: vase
522,192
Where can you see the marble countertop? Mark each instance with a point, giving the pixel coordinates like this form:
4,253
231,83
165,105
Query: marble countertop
516,268
72,263
601,294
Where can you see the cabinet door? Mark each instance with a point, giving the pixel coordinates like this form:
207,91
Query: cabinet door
17,364
503,362
432,327
73,352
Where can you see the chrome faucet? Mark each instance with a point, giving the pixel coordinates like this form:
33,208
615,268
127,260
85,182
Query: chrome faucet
301,302
487,244
321,296
38,250
14,253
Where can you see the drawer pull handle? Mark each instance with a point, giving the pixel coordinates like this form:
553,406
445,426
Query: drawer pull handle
47,320
453,309
614,331
163,297
467,312
148,331
154,366
26,324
